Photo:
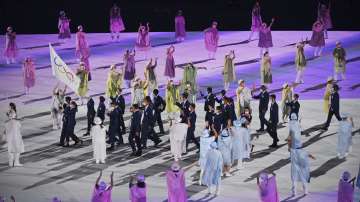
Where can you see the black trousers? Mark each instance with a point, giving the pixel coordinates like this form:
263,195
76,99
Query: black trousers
70,133
122,124
159,122
330,115
262,118
148,133
272,130
90,122
63,134
190,136
134,141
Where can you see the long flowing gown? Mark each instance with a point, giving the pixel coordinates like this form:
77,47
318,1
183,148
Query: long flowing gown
172,95
286,97
205,142
265,38
324,16
327,94
238,150
116,22
64,27
268,190
339,60
213,168
300,168
344,137
29,73
113,83
317,37
101,196
176,186
345,191
256,19
295,133
137,194
13,136
82,48
98,135
211,39
300,60
177,139
129,66
229,70
84,81
143,41
180,31
170,64
266,75
11,49
225,147
189,77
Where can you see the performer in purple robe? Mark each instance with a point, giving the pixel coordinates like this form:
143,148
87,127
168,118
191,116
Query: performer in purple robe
255,20
267,188
346,188
211,40
180,31
116,22
176,184
28,74
102,192
325,17
143,39
138,190
170,62
129,67
317,39
56,199
11,49
64,26
265,38
82,47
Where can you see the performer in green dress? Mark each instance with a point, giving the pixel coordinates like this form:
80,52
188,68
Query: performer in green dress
339,61
172,95
266,76
114,82
83,76
300,62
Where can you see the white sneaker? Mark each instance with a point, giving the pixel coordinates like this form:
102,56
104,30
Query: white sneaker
97,161
228,175
18,165
103,162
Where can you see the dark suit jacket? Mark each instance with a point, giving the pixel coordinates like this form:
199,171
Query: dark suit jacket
159,104
220,101
335,102
90,107
192,119
219,122
209,117
209,101
101,111
135,123
294,107
184,107
148,118
120,102
263,98
114,120
274,113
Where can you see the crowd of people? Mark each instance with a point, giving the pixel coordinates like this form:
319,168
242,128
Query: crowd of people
225,141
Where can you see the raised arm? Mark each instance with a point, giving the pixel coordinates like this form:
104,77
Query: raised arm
148,26
232,54
98,179
272,22
55,88
112,179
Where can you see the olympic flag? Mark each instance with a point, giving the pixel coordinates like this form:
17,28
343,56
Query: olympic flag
62,72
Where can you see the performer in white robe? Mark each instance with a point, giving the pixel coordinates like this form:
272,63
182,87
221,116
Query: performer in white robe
14,139
213,168
98,134
205,141
295,131
177,139
137,91
56,106
300,167
225,146
344,136
240,150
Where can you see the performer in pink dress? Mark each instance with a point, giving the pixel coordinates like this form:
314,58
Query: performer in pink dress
211,40
102,192
170,63
267,188
180,31
82,49
138,190
255,20
64,26
129,67
116,22
143,40
317,39
28,74
325,17
265,38
11,49
176,184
